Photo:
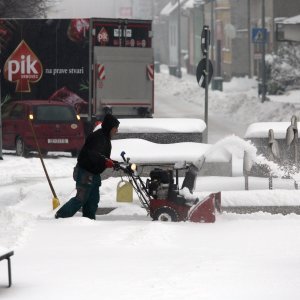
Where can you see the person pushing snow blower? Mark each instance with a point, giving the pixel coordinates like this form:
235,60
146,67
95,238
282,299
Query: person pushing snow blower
93,159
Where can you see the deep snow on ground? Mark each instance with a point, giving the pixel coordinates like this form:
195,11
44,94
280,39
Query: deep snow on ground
125,255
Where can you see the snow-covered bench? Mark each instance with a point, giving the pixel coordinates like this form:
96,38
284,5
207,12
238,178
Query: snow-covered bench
6,254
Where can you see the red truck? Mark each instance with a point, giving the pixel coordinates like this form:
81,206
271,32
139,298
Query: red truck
97,65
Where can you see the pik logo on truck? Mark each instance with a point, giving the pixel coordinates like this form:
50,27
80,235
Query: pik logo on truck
103,37
23,67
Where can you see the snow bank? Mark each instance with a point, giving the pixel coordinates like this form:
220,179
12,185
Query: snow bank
239,99
231,146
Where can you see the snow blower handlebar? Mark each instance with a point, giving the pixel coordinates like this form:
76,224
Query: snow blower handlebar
125,166
137,183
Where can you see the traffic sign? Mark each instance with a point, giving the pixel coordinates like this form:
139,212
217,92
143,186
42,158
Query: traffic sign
259,35
201,72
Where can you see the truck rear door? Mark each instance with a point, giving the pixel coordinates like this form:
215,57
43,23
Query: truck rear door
123,67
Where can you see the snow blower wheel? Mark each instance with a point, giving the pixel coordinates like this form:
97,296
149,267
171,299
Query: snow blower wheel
165,214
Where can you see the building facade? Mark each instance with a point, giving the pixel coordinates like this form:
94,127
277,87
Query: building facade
236,27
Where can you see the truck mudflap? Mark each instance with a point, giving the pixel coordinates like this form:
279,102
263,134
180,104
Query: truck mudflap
205,211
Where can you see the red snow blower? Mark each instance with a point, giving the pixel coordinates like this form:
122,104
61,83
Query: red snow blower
163,199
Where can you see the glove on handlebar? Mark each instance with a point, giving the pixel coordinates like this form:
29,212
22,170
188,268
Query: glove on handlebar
109,163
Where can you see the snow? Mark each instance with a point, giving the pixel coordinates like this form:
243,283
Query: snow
160,153
292,96
230,111
170,7
3,251
190,4
125,255
292,20
261,129
149,125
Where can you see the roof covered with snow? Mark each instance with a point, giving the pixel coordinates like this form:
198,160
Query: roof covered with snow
170,8
191,4
292,20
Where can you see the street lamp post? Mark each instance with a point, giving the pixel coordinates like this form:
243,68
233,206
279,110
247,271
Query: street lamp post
212,31
249,38
178,73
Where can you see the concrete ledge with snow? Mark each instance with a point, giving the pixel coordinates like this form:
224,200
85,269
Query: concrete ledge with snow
162,130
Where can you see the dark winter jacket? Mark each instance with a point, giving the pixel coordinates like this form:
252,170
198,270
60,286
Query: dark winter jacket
97,147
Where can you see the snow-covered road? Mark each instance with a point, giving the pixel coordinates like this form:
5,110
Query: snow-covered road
229,112
124,255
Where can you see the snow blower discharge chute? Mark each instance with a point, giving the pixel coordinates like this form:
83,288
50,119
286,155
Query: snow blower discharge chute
163,199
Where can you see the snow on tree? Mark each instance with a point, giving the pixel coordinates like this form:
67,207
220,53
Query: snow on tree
283,68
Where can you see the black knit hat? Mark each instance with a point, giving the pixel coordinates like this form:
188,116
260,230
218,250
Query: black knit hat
109,122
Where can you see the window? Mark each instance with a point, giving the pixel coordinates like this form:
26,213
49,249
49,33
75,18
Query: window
17,112
6,110
52,113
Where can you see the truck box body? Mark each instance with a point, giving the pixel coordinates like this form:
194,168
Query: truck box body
97,65
123,49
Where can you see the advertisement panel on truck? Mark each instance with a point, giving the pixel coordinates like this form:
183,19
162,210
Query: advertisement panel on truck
96,65
42,57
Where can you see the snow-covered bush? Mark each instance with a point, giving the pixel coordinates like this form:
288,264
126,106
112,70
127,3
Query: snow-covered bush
283,68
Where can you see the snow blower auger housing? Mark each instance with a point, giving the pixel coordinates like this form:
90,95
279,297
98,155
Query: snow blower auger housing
163,199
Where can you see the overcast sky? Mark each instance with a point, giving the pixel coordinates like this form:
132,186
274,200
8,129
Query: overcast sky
100,8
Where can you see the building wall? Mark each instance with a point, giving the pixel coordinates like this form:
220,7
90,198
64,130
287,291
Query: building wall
160,32
173,38
286,8
292,32
230,33
240,43
273,9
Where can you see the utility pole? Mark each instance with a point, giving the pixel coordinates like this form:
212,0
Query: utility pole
204,73
263,60
249,38
205,42
179,42
207,35
212,31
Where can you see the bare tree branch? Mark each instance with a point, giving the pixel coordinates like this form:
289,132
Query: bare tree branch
23,9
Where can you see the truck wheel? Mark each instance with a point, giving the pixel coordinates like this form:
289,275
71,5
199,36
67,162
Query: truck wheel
21,148
165,214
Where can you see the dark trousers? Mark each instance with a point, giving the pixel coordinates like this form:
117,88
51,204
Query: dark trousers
87,196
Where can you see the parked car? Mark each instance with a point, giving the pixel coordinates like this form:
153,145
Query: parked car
56,126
